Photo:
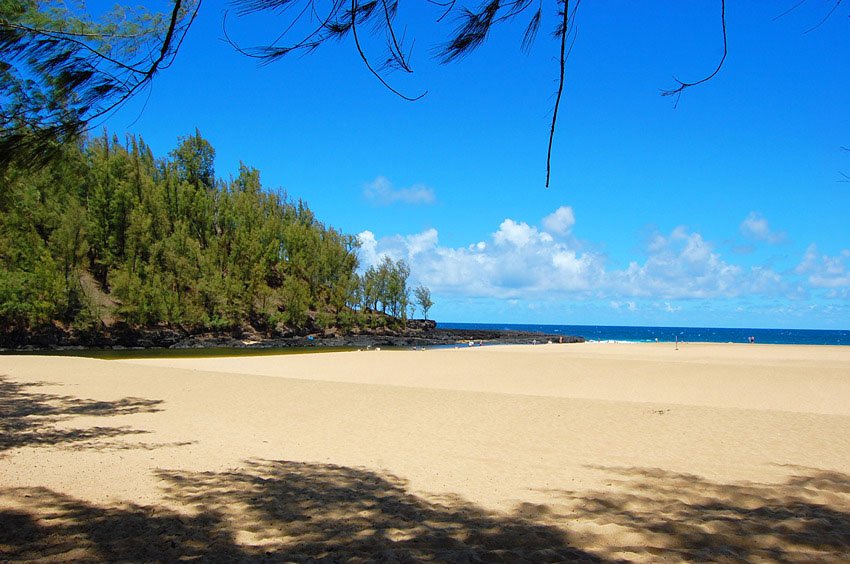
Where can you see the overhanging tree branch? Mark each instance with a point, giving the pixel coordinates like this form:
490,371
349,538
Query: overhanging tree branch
365,59
563,61
569,23
677,92
166,56
59,73
80,81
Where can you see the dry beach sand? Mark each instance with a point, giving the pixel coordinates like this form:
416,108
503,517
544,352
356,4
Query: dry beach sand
594,451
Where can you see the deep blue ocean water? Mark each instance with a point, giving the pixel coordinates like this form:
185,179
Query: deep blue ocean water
670,334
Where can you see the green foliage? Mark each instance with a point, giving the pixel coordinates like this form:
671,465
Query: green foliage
61,68
349,318
385,288
194,161
42,243
30,298
168,244
423,298
325,320
295,297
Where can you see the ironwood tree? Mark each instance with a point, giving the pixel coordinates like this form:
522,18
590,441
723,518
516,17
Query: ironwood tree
60,69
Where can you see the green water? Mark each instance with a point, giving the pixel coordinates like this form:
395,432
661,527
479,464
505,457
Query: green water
212,352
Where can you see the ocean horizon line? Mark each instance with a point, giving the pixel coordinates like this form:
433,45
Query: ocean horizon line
651,333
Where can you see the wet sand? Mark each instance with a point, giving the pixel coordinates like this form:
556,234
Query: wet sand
540,453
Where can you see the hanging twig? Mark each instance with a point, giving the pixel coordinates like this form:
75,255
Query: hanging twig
564,28
365,59
66,82
826,17
164,53
394,47
789,10
677,92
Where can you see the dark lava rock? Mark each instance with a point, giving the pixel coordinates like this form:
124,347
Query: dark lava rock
418,333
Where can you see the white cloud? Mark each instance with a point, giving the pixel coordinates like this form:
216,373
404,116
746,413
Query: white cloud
681,265
630,305
755,226
827,272
518,234
810,260
422,242
669,308
560,221
519,261
766,281
381,191
368,251
407,247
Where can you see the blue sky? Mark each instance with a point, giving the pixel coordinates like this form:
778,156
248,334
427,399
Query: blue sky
728,210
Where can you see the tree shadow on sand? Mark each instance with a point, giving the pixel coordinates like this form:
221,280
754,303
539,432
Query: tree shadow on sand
659,514
298,512
278,511
32,419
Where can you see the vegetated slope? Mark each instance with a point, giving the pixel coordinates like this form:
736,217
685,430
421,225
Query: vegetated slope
107,238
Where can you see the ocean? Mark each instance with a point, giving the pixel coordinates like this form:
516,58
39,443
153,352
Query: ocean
670,334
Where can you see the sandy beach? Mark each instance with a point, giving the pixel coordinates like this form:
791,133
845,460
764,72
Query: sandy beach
593,451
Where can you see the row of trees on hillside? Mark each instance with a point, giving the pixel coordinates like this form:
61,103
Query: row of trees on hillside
106,231
384,288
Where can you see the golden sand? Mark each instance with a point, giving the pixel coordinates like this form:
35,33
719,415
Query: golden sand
540,453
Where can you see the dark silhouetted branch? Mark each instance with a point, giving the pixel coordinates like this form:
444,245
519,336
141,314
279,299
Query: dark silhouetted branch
365,59
677,92
826,17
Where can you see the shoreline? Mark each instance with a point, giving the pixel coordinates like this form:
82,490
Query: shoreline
119,352
253,340
213,353
419,333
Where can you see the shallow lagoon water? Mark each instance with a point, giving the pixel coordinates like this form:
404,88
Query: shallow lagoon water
212,352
